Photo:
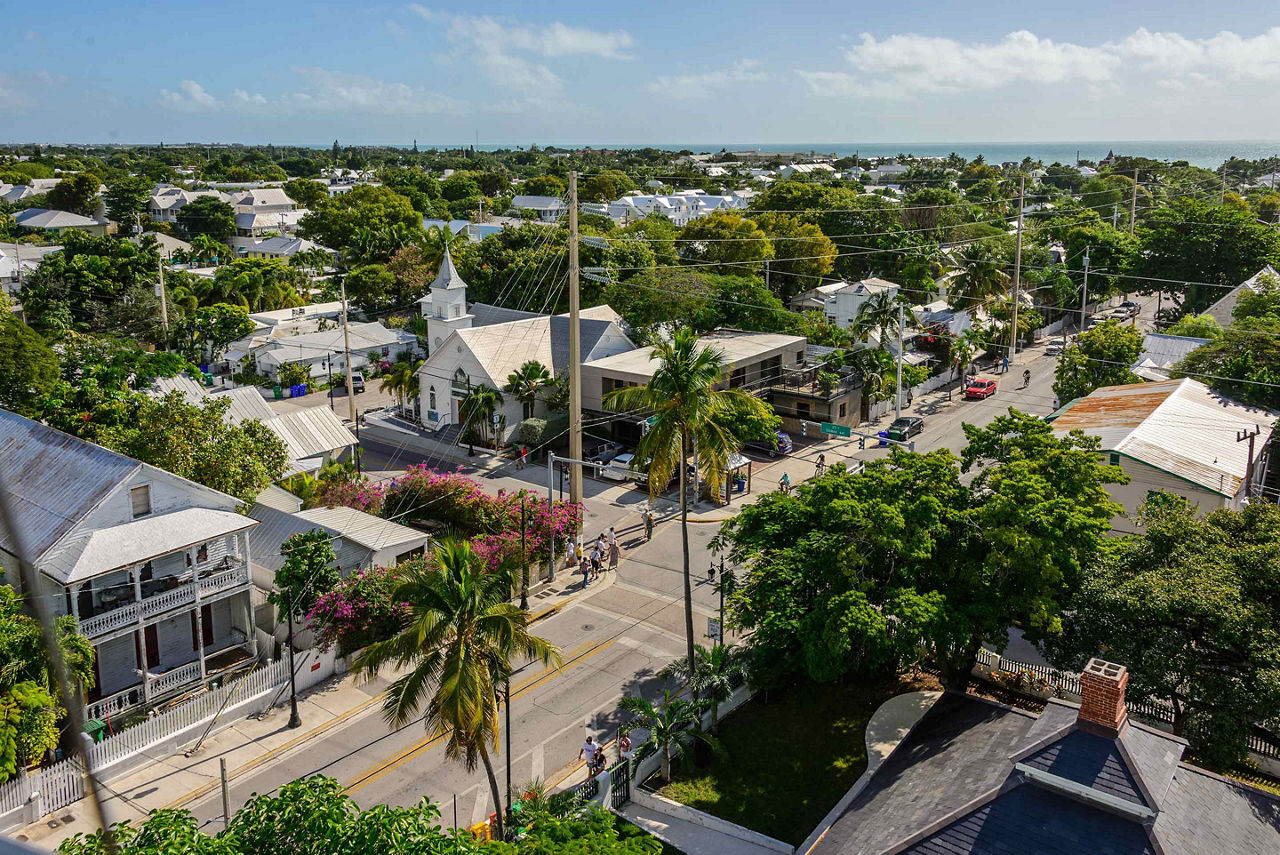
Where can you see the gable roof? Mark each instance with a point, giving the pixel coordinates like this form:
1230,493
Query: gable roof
312,346
502,348
1161,352
1222,310
367,530
310,432
43,218
53,479
285,246
1178,426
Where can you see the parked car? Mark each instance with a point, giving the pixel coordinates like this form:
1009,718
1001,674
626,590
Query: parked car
1054,349
781,444
357,382
904,428
1131,307
641,472
619,468
605,451
979,388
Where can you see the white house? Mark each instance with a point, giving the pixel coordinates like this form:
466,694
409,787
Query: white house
58,221
809,171
166,202
261,200
1223,310
252,227
285,247
548,208
841,301
324,351
18,261
154,568
889,170
1178,436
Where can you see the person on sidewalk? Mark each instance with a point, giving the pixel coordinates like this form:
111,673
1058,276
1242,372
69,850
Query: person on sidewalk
647,516
524,456
624,748
784,484
588,752
597,556
1004,365
585,568
615,552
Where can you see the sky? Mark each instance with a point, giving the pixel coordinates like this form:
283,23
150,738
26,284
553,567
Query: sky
289,72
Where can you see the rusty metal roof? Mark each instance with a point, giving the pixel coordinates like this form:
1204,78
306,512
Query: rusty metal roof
1181,427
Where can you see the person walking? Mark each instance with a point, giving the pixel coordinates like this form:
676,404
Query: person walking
624,748
524,456
588,752
1004,365
596,554
615,552
585,568
647,516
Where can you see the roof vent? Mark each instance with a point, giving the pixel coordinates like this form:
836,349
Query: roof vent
1102,706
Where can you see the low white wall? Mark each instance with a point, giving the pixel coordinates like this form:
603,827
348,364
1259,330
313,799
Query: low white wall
675,810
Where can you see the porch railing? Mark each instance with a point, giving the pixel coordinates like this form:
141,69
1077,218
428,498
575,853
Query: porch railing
165,601
178,677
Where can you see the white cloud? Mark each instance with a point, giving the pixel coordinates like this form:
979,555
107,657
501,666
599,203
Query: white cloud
908,64
708,83
191,97
11,97
241,97
554,39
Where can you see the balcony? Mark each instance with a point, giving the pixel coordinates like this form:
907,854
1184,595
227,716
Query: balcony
211,580
174,682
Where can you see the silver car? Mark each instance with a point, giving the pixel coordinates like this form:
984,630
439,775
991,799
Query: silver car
619,468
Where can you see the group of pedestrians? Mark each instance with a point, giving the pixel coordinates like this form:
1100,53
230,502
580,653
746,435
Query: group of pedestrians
593,753
591,560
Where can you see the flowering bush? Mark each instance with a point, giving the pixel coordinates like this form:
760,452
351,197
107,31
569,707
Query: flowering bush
358,612
358,493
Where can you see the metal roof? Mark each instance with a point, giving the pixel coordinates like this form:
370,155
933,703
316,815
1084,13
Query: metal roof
502,348
448,277
1178,426
247,405
312,346
311,432
278,498
276,526
1223,310
43,218
53,479
365,529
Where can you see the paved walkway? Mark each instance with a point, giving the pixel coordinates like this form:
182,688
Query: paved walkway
688,837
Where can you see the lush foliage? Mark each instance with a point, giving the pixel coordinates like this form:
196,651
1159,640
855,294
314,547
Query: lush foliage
28,367
208,216
69,286
1102,356
308,571
358,611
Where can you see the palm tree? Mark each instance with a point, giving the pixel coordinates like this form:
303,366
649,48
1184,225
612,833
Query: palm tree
672,726
440,238
687,408
718,668
205,248
477,410
457,640
965,347
314,259
878,313
980,276
526,382
402,381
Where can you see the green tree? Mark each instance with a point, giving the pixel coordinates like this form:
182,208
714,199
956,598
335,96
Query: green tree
459,186
478,409
334,222
206,249
209,329
1196,326
77,194
459,638
749,423
713,679
308,571
1190,607
371,287
402,381
66,289
196,442
306,192
544,185
1260,301
687,408
673,724
526,383
314,260
207,215
1102,356
28,727
28,367
803,254
979,275
1243,363
126,199
725,242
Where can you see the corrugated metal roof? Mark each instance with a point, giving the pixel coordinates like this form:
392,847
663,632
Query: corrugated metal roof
193,392
53,479
502,348
365,529
310,346
280,499
276,526
311,432
1178,426
247,405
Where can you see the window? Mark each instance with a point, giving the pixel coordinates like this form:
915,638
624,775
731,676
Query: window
802,410
1115,459
844,409
140,501
457,311
202,554
431,398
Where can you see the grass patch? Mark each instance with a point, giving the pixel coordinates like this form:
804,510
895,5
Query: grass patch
789,761
627,830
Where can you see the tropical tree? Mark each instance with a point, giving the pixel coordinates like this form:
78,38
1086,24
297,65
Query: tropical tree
965,347
718,669
458,640
402,381
315,260
207,215
526,382
308,571
1102,356
478,409
673,725
206,248
441,239
980,275
878,314
687,408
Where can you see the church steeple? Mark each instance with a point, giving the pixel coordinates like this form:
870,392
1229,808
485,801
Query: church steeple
445,308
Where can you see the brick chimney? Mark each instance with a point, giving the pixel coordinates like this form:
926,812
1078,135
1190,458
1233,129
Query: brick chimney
1102,709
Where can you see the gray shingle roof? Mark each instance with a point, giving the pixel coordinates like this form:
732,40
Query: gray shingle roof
448,277
1090,760
53,480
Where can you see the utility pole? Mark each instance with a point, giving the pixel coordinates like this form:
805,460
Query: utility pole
164,303
226,793
1115,216
897,401
1133,202
766,275
575,348
1222,191
1017,272
524,558
295,720
1084,299
1249,436
551,504
346,346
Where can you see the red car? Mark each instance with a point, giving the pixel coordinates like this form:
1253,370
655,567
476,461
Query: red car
980,388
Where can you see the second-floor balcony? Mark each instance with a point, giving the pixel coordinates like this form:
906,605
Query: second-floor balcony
120,606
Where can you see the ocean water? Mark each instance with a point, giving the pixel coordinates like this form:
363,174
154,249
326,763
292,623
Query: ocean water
1206,153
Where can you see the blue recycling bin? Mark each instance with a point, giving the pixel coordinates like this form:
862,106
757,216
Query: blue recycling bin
884,437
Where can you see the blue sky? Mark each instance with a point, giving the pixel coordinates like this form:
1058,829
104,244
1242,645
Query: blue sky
663,72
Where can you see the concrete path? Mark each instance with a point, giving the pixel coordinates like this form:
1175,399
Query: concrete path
688,837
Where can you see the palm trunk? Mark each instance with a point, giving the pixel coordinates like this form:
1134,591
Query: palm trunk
493,788
715,716
684,543
666,763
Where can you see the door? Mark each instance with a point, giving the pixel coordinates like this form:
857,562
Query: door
205,630
151,636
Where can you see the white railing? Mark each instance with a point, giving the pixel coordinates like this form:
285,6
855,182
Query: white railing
164,601
180,676
221,581
115,704
107,621
172,599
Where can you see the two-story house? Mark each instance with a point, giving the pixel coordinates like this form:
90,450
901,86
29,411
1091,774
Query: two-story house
155,568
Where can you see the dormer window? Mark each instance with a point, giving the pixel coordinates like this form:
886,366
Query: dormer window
140,501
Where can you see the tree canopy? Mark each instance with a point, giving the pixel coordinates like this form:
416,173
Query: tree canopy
1101,356
207,215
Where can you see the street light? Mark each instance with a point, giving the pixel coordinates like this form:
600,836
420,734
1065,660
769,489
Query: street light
295,720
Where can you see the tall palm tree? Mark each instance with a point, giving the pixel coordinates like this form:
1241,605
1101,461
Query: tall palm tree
878,313
205,248
718,668
402,381
980,276
438,239
477,410
526,382
673,724
458,641
687,408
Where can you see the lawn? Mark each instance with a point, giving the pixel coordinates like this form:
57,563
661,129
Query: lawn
789,761
627,830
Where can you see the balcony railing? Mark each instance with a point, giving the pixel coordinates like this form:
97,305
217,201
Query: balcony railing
176,678
113,705
165,601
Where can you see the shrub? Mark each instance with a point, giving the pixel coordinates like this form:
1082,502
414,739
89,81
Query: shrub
531,431
358,611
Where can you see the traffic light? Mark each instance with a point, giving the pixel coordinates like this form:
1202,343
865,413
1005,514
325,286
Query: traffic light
862,443
804,428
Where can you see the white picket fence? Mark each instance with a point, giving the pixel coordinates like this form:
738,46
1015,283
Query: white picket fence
62,783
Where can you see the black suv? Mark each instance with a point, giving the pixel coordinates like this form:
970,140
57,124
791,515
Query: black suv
904,428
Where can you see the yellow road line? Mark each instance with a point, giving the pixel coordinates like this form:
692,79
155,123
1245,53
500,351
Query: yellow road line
379,770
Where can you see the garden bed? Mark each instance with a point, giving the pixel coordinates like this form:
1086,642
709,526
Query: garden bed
789,761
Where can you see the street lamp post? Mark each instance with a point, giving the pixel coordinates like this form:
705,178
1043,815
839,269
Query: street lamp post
524,558
506,699
295,720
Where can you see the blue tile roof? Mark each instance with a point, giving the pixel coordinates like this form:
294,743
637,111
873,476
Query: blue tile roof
1091,760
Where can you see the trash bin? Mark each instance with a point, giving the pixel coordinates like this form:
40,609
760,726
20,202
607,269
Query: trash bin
208,378
742,485
884,435
277,392
96,728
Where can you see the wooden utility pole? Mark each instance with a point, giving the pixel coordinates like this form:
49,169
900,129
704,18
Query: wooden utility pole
1248,436
1084,299
164,303
575,349
897,401
1133,202
1017,271
346,346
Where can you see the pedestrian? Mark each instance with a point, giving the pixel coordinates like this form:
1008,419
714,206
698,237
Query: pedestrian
613,536
570,559
585,567
615,552
1004,365
588,752
595,561
624,748
647,516
524,456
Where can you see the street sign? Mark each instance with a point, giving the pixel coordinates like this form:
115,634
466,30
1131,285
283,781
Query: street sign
836,430
713,629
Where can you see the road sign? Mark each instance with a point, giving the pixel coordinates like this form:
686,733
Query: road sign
836,430
713,629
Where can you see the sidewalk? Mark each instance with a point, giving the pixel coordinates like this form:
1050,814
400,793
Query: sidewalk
175,780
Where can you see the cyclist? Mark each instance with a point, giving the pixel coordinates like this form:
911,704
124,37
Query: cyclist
821,466
1026,378
784,484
